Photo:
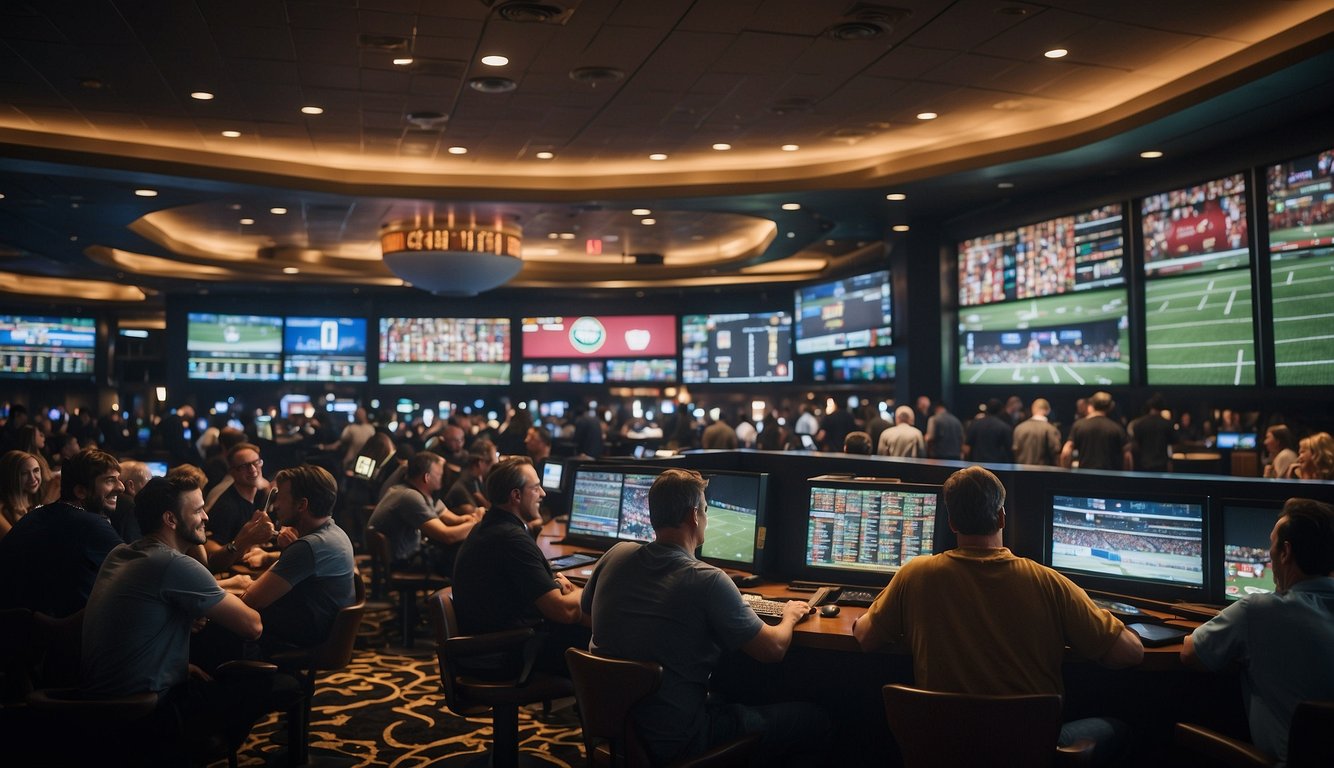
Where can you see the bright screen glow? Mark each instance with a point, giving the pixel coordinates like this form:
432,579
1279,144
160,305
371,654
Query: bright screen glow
1150,541
1301,244
1247,564
872,528
444,350
603,336
47,347
852,313
736,348
234,347
324,349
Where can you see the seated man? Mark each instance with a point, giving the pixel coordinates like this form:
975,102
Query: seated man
301,594
236,521
979,620
1283,640
467,495
656,602
407,513
503,581
49,560
136,629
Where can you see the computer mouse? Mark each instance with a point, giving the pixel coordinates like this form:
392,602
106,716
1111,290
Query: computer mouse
829,611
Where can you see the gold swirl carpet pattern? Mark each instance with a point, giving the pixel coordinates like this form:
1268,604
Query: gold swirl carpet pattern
386,709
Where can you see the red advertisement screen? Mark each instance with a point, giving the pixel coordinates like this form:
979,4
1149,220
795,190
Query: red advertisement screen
638,336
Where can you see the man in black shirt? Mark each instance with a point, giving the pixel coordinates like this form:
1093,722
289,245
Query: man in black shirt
236,521
1151,437
990,438
1099,441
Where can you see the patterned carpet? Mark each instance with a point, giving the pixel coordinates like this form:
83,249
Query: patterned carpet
386,709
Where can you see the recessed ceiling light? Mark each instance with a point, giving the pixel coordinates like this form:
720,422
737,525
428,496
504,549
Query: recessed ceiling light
277,211
291,271
1005,185
2,197
247,222
900,227
1056,53
927,115
231,134
791,206
495,61
312,110
896,196
722,147
790,147
146,192
552,236
202,96
648,222
402,61
1151,154
657,156
640,211
567,235
545,155
458,150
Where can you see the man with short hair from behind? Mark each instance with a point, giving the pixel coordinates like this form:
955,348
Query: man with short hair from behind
50,558
904,438
977,619
148,597
656,602
858,443
1283,641
1099,442
1036,439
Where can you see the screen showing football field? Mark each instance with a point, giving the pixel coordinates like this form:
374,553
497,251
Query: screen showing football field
1303,289
1133,539
1247,564
1198,329
1074,338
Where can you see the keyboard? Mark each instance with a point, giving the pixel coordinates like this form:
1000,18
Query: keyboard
1119,609
769,611
857,598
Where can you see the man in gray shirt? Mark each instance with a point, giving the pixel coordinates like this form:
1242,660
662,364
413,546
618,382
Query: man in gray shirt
1037,440
944,434
407,513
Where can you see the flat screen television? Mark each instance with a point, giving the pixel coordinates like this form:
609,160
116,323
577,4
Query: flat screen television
444,350
223,347
1244,440
862,530
553,475
1143,545
854,368
658,371
609,504
1246,563
584,372
1300,194
736,532
599,336
324,349
40,347
736,348
850,313
1198,326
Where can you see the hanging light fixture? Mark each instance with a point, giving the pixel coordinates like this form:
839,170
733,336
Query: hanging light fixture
453,259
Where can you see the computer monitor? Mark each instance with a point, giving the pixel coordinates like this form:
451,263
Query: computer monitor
1242,440
1246,564
736,508
861,530
553,473
609,504
1144,545
157,468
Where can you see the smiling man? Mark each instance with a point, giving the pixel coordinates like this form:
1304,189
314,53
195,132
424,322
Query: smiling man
49,560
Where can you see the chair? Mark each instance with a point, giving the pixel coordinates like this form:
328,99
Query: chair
607,691
306,663
407,584
959,729
16,664
1310,742
469,696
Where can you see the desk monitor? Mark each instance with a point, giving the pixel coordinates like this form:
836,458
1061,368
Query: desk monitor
609,504
1246,561
157,468
1243,440
553,473
736,531
860,530
1150,546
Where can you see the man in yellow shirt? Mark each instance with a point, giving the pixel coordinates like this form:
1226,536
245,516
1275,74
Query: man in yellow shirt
978,619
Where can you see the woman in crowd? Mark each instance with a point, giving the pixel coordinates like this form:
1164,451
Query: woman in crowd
20,487
33,440
1281,445
1315,459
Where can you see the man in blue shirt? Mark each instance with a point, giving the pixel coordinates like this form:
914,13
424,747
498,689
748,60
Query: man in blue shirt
1282,641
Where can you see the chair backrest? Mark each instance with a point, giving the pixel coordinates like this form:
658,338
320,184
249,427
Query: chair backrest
955,729
336,650
608,690
445,624
1311,735
377,544
59,643
16,656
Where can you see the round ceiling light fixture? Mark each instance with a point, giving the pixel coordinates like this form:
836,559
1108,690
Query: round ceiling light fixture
453,261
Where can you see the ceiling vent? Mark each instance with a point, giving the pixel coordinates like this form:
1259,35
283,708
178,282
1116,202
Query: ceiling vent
867,21
492,84
383,42
792,106
427,120
529,12
596,75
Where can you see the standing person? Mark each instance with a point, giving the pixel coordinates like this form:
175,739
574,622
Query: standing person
1099,441
1282,640
1151,437
353,438
719,435
656,602
835,426
944,434
588,433
876,424
977,619
902,439
148,596
1037,440
990,438
236,521
20,487
1281,445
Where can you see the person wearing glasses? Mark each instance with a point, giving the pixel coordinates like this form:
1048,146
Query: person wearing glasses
236,521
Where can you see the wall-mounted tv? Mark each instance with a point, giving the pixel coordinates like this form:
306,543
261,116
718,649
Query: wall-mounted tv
851,313
632,371
37,347
735,348
1301,263
854,368
226,347
600,336
590,372
444,350
324,349
1197,293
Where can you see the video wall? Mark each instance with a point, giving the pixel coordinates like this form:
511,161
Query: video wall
52,348
1301,267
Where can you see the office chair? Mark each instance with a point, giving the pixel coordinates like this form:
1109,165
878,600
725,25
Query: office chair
469,696
959,729
1310,742
385,579
607,691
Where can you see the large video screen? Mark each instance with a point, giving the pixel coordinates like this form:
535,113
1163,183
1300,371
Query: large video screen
852,313
1301,203
590,372
444,350
602,336
34,347
1133,540
1301,245
1197,294
869,527
1076,338
857,368
324,349
224,347
736,348
632,371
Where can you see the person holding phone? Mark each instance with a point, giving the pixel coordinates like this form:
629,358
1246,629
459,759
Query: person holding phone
237,521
